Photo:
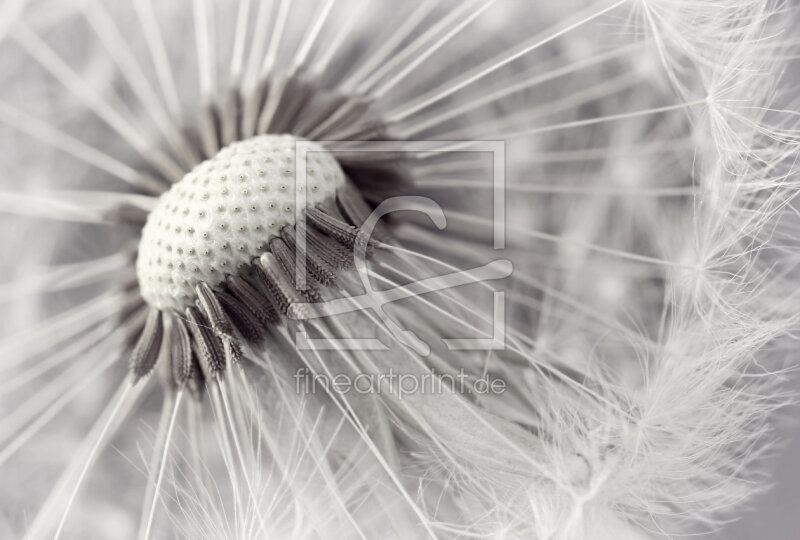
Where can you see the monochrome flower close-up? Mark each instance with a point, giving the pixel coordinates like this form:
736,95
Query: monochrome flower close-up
332,269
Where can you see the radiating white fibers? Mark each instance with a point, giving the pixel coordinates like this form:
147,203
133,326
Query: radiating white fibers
648,153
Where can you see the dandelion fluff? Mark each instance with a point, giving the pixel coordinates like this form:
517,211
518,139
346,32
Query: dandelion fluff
164,287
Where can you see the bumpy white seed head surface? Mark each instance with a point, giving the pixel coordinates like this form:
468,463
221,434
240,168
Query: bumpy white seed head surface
223,214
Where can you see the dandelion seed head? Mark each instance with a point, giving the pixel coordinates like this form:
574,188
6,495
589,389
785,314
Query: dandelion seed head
221,203
649,173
